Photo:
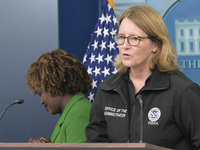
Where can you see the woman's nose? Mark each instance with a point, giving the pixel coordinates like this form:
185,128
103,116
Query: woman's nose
126,43
42,101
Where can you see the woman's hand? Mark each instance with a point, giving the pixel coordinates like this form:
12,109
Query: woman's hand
40,140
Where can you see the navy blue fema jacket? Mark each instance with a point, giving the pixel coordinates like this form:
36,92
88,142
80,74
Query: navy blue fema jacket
171,111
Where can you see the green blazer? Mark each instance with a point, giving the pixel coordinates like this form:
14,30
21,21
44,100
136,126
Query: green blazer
70,127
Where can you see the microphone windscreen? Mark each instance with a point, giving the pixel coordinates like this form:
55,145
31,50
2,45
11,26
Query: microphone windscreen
19,101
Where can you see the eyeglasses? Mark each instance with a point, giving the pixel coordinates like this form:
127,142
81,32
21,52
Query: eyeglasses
132,40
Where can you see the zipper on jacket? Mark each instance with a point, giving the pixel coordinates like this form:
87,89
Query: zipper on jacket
139,97
129,129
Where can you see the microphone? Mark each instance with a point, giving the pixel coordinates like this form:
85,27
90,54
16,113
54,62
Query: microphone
139,97
18,101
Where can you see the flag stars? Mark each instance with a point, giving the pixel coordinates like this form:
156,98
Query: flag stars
95,45
115,71
106,71
105,32
88,47
94,84
89,70
91,97
84,58
97,71
92,58
100,58
113,32
98,31
103,45
111,45
108,58
102,18
109,7
107,19
114,20
102,50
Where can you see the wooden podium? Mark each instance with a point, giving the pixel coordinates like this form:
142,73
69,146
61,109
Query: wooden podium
79,146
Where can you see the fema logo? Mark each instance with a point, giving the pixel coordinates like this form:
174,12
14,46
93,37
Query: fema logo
154,114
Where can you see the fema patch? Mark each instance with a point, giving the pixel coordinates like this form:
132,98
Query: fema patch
154,114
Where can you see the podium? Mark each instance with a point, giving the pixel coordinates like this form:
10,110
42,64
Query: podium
80,146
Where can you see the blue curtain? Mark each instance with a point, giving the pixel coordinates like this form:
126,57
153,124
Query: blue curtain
77,19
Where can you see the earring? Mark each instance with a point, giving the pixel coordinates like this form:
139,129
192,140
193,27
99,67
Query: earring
154,51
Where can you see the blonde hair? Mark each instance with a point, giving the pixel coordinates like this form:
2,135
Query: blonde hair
148,19
58,73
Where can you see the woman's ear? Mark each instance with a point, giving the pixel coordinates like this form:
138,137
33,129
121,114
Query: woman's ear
157,45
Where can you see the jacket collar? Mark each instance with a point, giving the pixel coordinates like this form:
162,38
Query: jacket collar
63,116
156,81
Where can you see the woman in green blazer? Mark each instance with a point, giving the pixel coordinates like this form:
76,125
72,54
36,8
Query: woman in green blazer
62,82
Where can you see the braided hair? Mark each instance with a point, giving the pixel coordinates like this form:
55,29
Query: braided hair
58,73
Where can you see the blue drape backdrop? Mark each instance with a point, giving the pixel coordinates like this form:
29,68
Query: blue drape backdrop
76,22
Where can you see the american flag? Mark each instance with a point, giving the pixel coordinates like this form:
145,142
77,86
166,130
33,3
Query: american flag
102,50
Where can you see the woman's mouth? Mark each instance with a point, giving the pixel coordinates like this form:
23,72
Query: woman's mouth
126,55
46,107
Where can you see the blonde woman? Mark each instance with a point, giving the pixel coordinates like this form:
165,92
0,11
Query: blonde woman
149,100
